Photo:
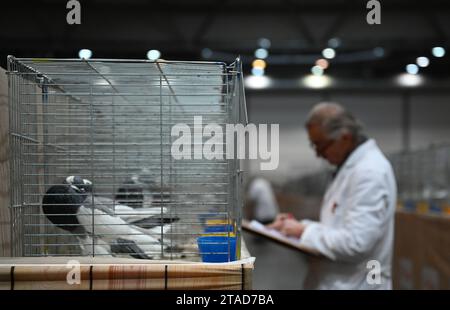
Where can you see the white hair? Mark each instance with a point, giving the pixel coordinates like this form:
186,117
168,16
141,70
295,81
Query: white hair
335,120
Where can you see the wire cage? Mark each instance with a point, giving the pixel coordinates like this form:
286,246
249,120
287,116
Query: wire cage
92,171
423,178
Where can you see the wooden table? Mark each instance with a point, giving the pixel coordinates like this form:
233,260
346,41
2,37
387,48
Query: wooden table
84,273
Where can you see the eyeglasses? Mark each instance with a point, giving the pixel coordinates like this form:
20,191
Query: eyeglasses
321,148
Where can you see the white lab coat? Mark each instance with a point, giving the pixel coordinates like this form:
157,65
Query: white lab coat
356,224
266,207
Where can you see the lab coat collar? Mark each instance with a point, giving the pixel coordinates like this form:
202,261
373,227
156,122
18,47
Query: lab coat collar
358,153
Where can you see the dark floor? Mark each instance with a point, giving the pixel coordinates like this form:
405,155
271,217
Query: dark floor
276,267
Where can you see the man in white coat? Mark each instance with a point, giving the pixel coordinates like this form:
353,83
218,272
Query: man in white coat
356,229
260,193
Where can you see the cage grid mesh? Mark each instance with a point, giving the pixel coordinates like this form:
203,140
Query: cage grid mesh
110,121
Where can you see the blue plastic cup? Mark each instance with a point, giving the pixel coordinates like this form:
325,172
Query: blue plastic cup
204,217
217,249
219,228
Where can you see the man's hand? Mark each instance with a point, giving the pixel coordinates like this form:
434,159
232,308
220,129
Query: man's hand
292,228
279,220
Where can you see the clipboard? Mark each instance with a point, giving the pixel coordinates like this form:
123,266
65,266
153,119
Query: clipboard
259,229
